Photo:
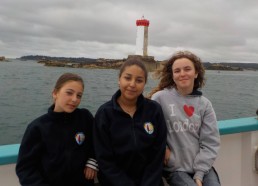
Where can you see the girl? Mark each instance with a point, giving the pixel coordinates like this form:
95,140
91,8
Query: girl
193,138
57,148
130,133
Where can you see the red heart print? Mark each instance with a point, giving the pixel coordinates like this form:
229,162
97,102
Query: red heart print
189,110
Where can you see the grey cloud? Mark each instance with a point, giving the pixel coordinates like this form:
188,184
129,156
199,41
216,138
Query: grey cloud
216,30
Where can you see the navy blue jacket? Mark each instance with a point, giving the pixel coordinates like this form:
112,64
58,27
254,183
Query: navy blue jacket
130,151
54,151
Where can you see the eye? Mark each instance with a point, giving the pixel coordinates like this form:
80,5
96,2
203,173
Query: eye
69,93
176,71
127,77
79,96
139,80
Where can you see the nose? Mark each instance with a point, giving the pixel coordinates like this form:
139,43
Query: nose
132,83
182,73
74,98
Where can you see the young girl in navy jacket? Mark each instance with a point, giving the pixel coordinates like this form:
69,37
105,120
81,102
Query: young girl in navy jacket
57,147
130,133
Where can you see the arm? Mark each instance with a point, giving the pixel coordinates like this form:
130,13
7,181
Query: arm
209,143
105,156
167,156
153,172
91,167
28,162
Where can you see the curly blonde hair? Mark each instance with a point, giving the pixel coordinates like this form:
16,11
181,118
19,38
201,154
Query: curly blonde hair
165,73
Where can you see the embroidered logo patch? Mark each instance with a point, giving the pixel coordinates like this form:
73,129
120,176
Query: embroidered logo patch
189,110
79,137
149,128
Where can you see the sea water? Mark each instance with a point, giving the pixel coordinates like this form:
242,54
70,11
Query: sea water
26,86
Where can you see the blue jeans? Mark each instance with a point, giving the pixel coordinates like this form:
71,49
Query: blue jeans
179,178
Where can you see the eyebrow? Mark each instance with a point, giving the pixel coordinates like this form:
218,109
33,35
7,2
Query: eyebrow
131,74
74,90
183,67
70,89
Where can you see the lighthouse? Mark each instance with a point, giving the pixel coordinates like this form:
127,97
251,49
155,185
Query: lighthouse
142,36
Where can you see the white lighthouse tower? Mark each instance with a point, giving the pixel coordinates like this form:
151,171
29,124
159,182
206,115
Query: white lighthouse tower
142,36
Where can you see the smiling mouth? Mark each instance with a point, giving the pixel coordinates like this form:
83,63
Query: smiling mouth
73,106
131,91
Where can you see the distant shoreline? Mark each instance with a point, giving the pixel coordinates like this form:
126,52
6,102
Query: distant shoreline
151,64
117,64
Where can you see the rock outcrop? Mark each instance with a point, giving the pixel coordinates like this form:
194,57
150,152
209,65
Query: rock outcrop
2,58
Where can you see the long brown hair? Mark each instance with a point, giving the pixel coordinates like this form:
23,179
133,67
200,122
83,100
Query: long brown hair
165,73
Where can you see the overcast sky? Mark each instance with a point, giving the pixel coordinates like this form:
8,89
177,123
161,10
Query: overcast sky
216,30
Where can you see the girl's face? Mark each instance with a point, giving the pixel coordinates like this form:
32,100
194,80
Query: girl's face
68,97
132,82
184,75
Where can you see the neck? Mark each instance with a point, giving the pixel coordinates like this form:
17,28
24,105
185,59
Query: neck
127,106
184,92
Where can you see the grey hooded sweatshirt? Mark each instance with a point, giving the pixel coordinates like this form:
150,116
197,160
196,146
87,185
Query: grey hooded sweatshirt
193,135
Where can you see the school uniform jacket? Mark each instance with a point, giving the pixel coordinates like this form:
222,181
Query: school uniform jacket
55,149
130,150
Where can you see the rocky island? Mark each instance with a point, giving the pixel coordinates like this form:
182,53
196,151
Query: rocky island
100,63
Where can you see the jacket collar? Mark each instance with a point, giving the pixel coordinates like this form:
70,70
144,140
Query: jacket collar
196,92
60,115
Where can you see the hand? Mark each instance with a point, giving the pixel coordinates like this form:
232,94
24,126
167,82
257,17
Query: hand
167,156
198,182
90,173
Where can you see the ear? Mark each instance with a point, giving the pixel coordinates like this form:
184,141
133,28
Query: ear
54,94
196,75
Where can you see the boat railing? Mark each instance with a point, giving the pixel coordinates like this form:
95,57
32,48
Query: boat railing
237,162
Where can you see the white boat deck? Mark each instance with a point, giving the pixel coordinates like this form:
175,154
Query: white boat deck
8,176
235,163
